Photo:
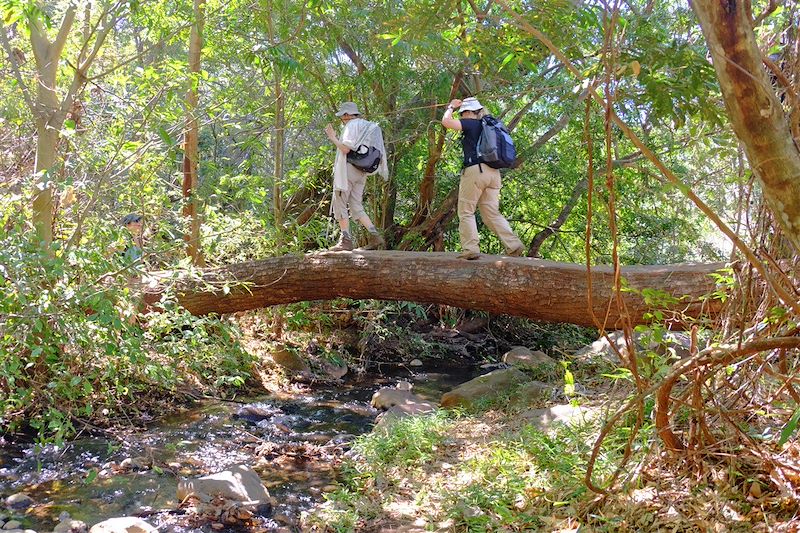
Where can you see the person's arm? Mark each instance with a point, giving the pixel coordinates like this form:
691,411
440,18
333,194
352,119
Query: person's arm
335,140
447,120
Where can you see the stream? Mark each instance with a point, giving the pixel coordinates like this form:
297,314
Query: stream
293,443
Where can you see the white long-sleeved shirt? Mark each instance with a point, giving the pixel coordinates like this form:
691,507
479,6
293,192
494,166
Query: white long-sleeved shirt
356,132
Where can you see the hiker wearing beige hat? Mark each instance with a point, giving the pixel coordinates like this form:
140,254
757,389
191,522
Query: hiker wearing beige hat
358,136
480,184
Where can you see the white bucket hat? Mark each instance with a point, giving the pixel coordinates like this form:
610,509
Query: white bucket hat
470,104
348,108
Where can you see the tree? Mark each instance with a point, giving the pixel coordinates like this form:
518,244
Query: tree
191,137
48,107
756,112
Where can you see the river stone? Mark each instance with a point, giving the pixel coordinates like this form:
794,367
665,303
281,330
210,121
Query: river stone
522,356
415,406
135,463
19,501
288,359
255,412
12,524
239,483
333,370
69,525
389,396
486,386
123,524
678,342
415,362
533,392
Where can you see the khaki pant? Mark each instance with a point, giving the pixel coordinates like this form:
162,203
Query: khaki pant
482,189
354,197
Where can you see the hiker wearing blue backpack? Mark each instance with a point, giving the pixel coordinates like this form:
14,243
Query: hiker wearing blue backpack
487,147
359,153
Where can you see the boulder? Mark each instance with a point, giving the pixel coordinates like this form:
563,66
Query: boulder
123,524
135,463
522,356
19,501
415,362
386,397
68,525
419,407
415,406
606,347
404,400
486,386
288,359
533,392
12,524
333,370
239,483
255,412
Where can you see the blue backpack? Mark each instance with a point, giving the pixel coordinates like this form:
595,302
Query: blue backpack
495,147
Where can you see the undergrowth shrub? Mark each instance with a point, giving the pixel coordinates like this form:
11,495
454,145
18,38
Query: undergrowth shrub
529,473
73,346
405,442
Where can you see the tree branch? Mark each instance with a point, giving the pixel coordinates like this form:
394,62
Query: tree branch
26,95
57,46
105,22
540,237
773,5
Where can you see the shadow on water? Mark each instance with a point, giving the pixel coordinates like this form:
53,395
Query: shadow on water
292,443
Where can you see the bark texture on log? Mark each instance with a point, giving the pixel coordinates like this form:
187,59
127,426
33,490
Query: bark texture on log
532,288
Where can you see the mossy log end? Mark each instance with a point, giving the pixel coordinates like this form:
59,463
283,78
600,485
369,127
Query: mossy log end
531,288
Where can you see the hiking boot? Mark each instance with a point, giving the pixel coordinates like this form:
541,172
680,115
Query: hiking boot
376,242
345,244
517,252
468,255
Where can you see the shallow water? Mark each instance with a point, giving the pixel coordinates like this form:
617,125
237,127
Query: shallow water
292,444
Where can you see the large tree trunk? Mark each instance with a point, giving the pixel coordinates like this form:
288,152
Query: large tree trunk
46,155
532,288
756,113
191,138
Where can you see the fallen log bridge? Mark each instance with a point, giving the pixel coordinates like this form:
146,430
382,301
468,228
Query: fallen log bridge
531,288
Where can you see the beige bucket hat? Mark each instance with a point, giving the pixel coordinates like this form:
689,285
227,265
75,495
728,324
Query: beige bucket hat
470,104
348,108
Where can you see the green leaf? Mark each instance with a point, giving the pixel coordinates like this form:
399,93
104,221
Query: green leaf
166,137
90,476
789,428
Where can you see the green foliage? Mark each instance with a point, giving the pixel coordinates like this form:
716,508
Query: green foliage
530,473
74,346
406,442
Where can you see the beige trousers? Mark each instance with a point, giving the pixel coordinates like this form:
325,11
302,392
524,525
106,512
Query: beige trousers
353,197
482,189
